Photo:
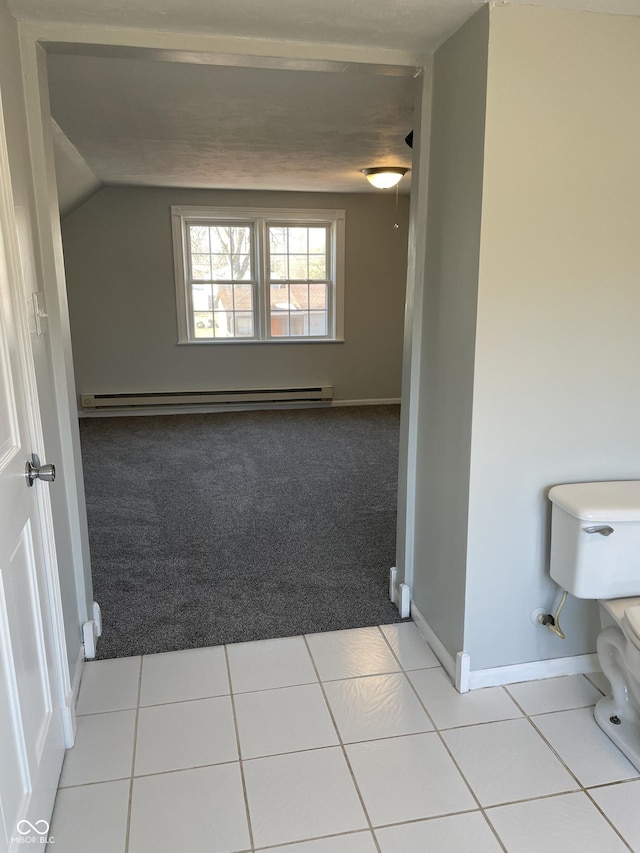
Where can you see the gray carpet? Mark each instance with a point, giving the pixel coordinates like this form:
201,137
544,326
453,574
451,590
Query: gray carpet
226,527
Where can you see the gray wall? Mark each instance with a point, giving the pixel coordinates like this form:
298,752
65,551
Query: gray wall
75,181
447,362
119,266
530,371
556,396
75,581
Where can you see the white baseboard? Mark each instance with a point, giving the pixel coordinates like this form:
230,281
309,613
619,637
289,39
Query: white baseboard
533,671
431,638
400,594
91,630
97,618
71,700
90,637
390,401
465,678
463,671
135,411
77,676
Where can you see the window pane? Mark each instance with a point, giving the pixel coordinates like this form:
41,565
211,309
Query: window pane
223,311
241,253
203,324
220,267
299,295
201,296
220,240
298,253
199,238
201,267
277,239
298,266
279,296
230,252
317,267
298,240
279,324
223,324
317,241
278,266
298,325
318,296
244,325
241,267
223,297
318,323
240,239
244,297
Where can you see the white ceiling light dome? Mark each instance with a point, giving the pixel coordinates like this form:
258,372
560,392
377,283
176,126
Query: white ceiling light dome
385,177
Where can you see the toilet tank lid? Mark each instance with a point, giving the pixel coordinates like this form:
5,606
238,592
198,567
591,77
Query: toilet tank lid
610,501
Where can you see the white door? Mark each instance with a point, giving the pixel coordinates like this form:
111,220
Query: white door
33,675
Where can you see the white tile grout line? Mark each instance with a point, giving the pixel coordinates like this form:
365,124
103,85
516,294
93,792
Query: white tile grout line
446,747
342,747
133,759
316,838
592,683
587,791
305,841
329,681
581,787
435,730
236,729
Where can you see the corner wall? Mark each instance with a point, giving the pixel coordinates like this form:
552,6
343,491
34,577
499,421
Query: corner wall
120,279
447,356
556,393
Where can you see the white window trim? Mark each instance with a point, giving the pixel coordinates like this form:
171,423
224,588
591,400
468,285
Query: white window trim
262,216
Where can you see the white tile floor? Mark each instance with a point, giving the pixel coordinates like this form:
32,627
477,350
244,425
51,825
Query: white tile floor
347,742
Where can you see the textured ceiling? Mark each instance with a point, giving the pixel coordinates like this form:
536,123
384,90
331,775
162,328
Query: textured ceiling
136,121
147,122
414,25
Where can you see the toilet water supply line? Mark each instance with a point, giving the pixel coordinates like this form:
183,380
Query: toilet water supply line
553,622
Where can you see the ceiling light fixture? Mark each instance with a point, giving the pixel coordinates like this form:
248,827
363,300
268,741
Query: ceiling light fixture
384,177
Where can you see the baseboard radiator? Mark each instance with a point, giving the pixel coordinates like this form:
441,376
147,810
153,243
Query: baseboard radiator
249,397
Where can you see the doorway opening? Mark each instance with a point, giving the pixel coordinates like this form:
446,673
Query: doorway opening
118,249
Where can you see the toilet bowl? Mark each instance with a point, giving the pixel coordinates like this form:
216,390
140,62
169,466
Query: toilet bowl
595,553
618,646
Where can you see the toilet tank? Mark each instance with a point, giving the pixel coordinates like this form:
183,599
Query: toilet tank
595,538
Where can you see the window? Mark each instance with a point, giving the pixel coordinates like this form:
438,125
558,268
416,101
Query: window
258,275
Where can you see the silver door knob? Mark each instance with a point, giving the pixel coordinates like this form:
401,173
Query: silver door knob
33,470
